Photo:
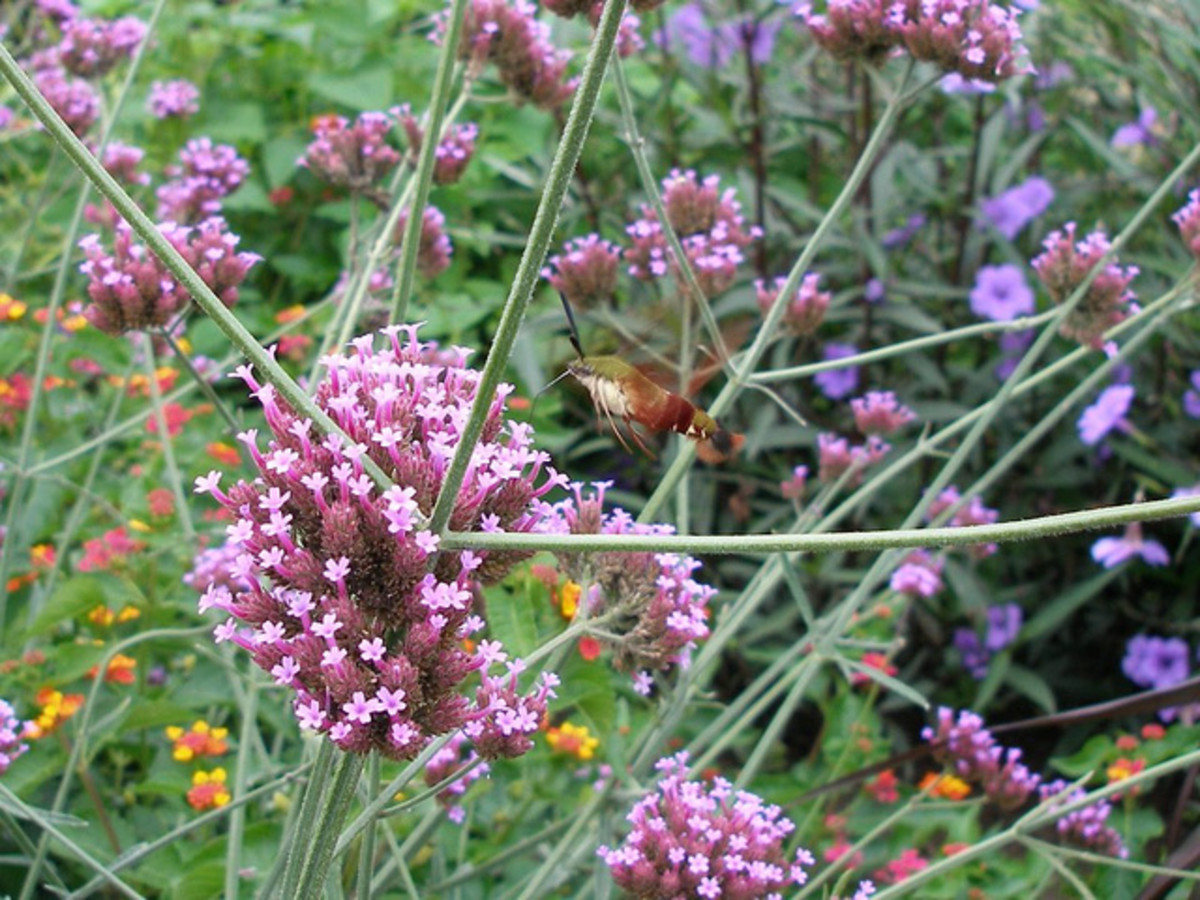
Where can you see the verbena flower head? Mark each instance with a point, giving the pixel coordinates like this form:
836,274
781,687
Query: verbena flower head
1156,662
354,156
351,603
805,311
585,271
920,575
91,48
434,248
453,757
72,98
836,456
691,839
132,291
121,162
1110,552
1010,211
713,45
509,35
217,566
1085,827
838,383
1003,625
879,412
177,99
1063,267
855,29
662,609
793,488
978,39
710,227
968,749
972,514
11,731
452,154
1001,294
1107,413
1188,220
206,173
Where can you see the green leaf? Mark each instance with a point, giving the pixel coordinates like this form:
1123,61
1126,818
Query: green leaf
588,687
1031,685
1050,618
369,87
511,614
77,596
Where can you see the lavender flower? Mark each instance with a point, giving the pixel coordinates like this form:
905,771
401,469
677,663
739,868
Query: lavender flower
1084,827
206,173
452,154
217,566
1001,294
920,575
970,751
72,98
1012,210
434,248
838,383
1188,220
1140,132
1063,267
1107,413
455,756
351,604
879,412
1110,552
973,654
662,611
1191,397
713,46
1156,662
356,156
1003,625
694,840
178,99
805,311
121,162
11,730
586,271
91,48
836,456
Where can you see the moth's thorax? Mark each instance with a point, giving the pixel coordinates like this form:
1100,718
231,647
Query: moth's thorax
606,392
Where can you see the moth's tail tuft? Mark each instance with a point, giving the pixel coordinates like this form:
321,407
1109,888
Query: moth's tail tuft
720,446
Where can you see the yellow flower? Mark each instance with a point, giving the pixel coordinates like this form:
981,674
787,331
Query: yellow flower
572,740
208,790
569,599
10,309
947,787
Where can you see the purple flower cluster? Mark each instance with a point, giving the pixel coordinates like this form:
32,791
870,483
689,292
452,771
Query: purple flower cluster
131,290
11,730
434,248
509,35
690,839
1191,397
974,513
805,311
1003,625
629,40
452,154
713,45
663,609
1138,133
1156,662
1010,211
1110,552
837,383
1001,294
456,755
793,488
73,99
968,749
178,99
836,456
121,162
354,156
351,604
1085,827
206,173
879,412
1107,413
586,271
91,48
1063,267
920,575
216,566
1188,220
977,39
710,227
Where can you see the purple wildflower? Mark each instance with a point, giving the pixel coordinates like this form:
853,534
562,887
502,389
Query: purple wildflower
1141,132
691,839
1004,623
6,117
713,46
1188,220
1001,294
898,237
1013,209
356,156
970,751
178,99
72,98
121,162
1156,662
1084,827
456,755
855,29
807,308
336,562
836,456
1192,491
206,173
1110,552
91,48
978,39
11,730
217,566
970,515
58,11
452,154
663,609
1063,267
434,249
879,412
838,383
1013,345
874,291
973,654
1107,413
793,488
920,575
586,271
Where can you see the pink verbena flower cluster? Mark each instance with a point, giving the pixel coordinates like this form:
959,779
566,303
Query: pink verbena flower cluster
131,290
11,730
177,99
586,271
455,756
919,575
206,173
968,749
434,249
121,162
711,230
1188,220
509,35
974,513
452,154
805,311
91,48
836,456
351,604
879,412
216,566
73,99
977,39
691,839
1086,827
1063,267
662,609
355,156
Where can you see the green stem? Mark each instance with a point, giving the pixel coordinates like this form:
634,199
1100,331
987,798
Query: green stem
164,435
562,169
317,856
201,382
304,825
366,853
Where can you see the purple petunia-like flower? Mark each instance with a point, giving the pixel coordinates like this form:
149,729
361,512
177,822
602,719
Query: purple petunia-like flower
661,610
970,751
1013,209
1156,662
1110,552
838,383
1107,413
351,603
11,730
1001,293
692,839
177,99
713,45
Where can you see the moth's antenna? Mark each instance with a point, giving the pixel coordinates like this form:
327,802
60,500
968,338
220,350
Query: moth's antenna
572,328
